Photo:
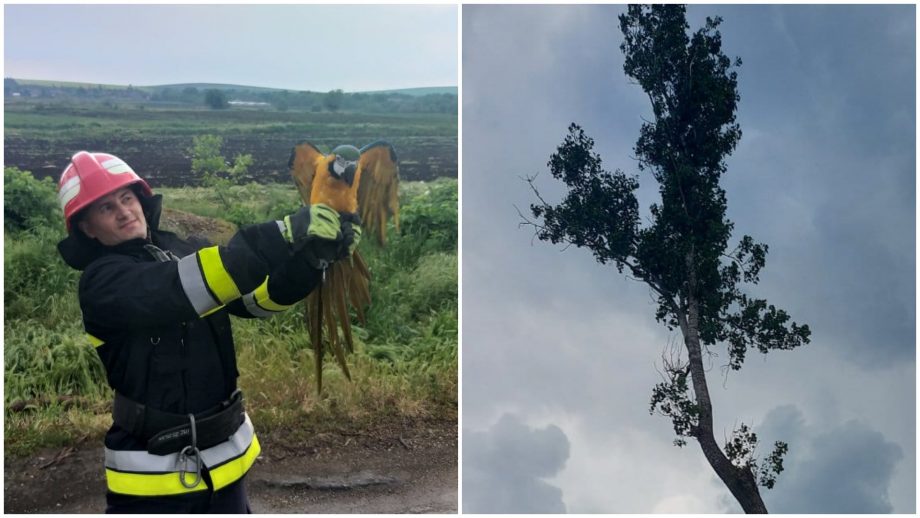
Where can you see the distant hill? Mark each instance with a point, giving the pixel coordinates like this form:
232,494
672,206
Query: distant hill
74,84
426,90
217,86
188,95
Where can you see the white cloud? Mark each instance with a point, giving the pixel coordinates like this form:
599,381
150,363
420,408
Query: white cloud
505,468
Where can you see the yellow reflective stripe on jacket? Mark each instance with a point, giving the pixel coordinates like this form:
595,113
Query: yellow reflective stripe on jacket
149,484
229,472
285,227
144,474
260,304
205,281
216,275
93,340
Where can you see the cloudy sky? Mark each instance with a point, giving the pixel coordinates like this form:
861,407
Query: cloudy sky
560,353
298,47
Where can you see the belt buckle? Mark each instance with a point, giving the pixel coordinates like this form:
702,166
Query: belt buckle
184,457
186,454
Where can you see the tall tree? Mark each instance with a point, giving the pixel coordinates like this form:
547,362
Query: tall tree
215,99
682,254
333,99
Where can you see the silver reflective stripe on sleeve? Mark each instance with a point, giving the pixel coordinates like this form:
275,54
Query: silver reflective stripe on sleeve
253,308
194,285
143,462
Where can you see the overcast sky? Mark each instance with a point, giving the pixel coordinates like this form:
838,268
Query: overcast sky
297,47
560,353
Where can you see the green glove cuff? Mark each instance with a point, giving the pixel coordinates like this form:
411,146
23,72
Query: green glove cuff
286,227
357,239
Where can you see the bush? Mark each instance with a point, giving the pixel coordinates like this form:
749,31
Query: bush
28,202
428,224
429,221
415,277
37,283
40,362
433,284
217,174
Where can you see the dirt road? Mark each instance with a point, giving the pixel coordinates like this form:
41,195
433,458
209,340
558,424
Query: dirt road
394,471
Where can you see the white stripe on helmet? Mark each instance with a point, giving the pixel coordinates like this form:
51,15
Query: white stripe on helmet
69,191
117,166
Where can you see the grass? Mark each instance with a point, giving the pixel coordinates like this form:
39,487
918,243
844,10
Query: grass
405,365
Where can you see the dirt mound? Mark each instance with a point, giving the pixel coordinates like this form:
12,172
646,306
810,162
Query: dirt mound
186,225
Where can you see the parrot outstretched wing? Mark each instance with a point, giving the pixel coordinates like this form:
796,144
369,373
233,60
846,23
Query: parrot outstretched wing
347,282
305,160
378,192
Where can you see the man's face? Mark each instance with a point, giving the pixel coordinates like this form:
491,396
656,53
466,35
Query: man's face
115,218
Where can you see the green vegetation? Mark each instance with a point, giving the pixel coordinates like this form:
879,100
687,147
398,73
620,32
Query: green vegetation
219,175
405,365
27,203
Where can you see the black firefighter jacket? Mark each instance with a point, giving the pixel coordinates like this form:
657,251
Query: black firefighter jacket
157,312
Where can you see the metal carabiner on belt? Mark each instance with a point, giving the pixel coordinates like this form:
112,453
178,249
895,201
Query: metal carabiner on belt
186,454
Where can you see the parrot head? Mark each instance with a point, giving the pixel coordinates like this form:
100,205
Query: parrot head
345,163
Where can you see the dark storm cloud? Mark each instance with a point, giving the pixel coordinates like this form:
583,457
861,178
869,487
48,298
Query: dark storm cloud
824,173
829,103
847,469
504,468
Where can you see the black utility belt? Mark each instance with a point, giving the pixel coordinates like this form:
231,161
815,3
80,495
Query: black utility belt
166,432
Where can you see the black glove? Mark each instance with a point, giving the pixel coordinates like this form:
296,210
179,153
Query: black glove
351,232
315,235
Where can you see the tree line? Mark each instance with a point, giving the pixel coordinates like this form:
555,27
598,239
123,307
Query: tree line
223,98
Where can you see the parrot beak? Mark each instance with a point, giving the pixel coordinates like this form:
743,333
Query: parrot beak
349,174
343,170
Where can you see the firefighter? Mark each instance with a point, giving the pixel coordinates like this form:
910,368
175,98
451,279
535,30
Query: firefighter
156,309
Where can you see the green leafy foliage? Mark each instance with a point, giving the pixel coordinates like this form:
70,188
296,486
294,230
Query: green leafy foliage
671,398
220,176
428,221
37,284
741,451
68,363
415,276
27,202
207,160
599,212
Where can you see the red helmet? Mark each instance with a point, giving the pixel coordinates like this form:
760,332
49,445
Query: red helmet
90,176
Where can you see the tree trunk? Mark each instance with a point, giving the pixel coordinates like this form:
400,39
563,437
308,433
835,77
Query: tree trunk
739,481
